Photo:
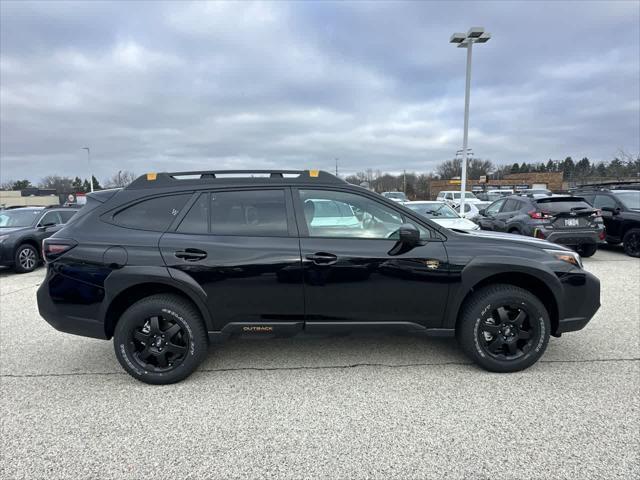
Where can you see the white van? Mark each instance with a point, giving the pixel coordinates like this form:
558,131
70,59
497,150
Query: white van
453,197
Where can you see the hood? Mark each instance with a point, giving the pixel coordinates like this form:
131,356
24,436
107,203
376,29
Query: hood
6,230
510,237
456,223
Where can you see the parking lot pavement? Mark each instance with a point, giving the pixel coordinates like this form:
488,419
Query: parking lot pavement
347,407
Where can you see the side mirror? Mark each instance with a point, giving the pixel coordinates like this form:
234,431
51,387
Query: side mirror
614,210
482,211
44,226
409,235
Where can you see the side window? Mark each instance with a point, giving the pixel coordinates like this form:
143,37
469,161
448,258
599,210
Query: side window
261,213
155,214
511,205
604,201
50,218
589,199
66,215
347,215
494,207
197,220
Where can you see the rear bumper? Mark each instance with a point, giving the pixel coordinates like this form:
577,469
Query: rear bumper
571,237
580,303
68,317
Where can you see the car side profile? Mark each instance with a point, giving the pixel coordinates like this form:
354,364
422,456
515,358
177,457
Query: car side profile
22,231
562,219
621,214
178,261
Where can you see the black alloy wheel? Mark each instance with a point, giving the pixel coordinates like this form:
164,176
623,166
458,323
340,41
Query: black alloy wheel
158,344
503,328
161,339
508,333
631,242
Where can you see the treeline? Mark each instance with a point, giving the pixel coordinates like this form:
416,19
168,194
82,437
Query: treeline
416,185
63,184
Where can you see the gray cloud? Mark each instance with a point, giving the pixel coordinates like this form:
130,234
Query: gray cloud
216,85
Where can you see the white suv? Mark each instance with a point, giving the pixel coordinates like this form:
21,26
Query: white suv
453,197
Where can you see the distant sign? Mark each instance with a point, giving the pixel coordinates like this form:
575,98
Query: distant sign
81,199
455,182
522,186
483,179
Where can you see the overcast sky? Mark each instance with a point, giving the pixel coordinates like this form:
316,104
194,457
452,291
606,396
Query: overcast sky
178,86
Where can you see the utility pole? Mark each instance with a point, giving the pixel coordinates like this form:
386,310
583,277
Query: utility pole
336,166
466,40
404,182
89,162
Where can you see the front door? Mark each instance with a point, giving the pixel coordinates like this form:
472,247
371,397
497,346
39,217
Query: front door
488,220
353,271
242,248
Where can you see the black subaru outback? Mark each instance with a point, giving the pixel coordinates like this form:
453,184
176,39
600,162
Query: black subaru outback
177,261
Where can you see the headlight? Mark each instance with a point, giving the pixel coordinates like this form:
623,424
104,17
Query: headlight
572,258
3,238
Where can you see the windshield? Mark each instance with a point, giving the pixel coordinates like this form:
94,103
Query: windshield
467,195
629,199
18,218
433,210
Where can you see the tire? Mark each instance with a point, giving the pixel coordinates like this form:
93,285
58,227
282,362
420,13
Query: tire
587,249
514,231
26,258
162,351
481,315
631,242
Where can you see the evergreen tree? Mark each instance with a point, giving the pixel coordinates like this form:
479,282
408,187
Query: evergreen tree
515,168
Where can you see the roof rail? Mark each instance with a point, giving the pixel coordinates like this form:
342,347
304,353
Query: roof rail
199,177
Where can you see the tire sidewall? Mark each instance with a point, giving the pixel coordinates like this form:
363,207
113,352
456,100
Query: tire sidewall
19,268
634,231
145,309
480,311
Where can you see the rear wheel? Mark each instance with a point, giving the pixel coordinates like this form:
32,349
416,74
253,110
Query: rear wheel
160,339
587,249
631,242
503,328
26,258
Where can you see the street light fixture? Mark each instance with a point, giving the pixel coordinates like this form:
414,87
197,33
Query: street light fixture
466,40
89,162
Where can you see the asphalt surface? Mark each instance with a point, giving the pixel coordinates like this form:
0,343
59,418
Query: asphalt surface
349,407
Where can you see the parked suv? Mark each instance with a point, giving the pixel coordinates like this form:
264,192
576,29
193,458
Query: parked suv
172,263
22,231
621,214
560,219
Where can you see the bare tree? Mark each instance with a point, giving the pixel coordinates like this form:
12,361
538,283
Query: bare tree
120,179
58,183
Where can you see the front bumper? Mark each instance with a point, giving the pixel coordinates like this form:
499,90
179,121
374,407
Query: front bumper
581,301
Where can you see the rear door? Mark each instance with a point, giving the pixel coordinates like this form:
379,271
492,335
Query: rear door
612,222
351,271
242,247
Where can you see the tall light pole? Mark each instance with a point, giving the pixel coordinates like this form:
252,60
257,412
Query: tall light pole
466,40
89,162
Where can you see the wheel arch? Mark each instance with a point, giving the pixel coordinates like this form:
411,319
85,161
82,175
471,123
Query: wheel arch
28,241
137,286
538,281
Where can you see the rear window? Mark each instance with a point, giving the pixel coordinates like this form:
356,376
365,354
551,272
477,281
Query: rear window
155,214
557,205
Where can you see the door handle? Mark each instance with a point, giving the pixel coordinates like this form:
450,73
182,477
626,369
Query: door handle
191,254
322,258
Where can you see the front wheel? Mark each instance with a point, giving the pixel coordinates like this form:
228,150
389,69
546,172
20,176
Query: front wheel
587,249
26,258
503,328
631,242
160,339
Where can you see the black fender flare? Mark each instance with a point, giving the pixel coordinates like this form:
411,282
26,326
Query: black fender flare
482,268
130,276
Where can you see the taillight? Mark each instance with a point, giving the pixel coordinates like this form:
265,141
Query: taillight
52,248
539,234
539,215
603,235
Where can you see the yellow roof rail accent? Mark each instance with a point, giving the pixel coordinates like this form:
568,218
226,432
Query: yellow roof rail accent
314,173
151,176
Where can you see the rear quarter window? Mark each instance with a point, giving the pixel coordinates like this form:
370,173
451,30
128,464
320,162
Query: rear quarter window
155,214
